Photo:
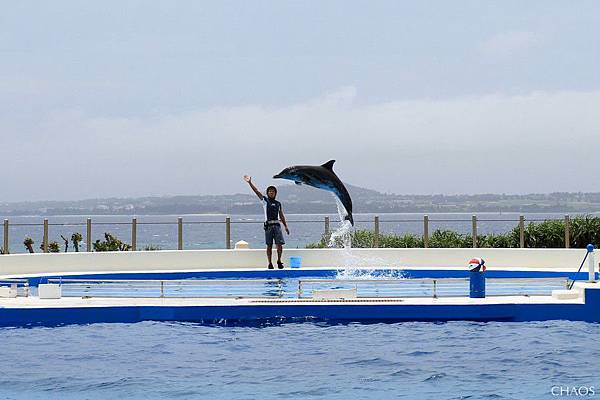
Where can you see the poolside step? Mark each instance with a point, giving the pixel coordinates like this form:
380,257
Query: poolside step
334,294
8,291
566,294
49,291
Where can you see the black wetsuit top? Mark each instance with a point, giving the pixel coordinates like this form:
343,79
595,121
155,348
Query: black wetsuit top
272,208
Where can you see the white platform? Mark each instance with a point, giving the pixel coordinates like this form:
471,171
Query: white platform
22,265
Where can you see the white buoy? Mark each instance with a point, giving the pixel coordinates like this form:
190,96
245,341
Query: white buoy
241,244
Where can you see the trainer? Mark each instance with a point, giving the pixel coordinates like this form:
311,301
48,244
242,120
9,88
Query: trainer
273,216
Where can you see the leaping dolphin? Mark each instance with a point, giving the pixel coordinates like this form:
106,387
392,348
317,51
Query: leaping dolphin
321,177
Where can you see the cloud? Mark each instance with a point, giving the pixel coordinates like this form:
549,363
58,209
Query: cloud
506,45
496,143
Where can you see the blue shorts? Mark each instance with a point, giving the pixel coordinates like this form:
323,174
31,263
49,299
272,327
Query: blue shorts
273,234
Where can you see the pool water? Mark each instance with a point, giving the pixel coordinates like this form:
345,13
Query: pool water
412,360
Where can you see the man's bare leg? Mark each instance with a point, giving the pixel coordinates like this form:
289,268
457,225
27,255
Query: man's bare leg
270,255
279,252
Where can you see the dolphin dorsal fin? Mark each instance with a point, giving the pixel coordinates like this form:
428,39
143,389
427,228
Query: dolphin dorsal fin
329,165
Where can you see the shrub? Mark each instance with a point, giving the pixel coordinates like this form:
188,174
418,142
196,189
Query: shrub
449,239
111,243
362,238
408,240
498,241
546,234
585,230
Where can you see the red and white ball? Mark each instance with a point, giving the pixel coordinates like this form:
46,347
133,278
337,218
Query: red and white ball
476,264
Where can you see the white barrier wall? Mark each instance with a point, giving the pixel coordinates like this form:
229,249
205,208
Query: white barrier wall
194,260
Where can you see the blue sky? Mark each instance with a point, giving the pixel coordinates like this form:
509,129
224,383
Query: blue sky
127,98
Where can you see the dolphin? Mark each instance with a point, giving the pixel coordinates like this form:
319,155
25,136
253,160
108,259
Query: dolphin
321,177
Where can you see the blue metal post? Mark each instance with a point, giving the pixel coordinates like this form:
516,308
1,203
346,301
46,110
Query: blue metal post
477,285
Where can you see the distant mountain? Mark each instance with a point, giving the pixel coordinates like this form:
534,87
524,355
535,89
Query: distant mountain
304,199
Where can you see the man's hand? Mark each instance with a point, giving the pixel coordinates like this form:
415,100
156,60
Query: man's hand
248,179
287,230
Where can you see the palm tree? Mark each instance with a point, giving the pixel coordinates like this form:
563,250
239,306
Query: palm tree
53,247
76,238
28,242
66,243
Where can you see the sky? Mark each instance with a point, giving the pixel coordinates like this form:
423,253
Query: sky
135,98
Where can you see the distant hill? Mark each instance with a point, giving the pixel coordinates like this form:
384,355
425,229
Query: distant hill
303,200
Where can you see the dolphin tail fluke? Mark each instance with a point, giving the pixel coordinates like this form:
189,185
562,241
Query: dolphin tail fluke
349,218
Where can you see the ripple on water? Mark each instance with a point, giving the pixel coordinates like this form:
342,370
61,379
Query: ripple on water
297,360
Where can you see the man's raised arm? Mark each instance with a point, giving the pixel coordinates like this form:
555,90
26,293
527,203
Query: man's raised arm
249,180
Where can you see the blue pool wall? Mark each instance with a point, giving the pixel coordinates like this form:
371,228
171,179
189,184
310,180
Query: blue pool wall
309,273
265,314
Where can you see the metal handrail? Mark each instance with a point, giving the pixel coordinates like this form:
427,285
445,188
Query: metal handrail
411,285
238,288
382,280
177,281
163,288
383,221
14,280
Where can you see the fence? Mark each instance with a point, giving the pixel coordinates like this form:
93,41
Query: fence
302,288
193,288
446,287
227,223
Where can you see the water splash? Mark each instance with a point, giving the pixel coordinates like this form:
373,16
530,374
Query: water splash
357,266
350,273
342,235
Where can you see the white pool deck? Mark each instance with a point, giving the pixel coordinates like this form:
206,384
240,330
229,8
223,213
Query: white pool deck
23,265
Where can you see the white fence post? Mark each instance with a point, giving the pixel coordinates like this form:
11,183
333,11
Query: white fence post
45,239
474,227
88,237
376,230
6,244
567,232
522,231
426,231
134,234
179,233
228,232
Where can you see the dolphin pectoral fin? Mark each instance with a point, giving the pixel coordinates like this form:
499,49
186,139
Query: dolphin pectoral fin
298,183
328,165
